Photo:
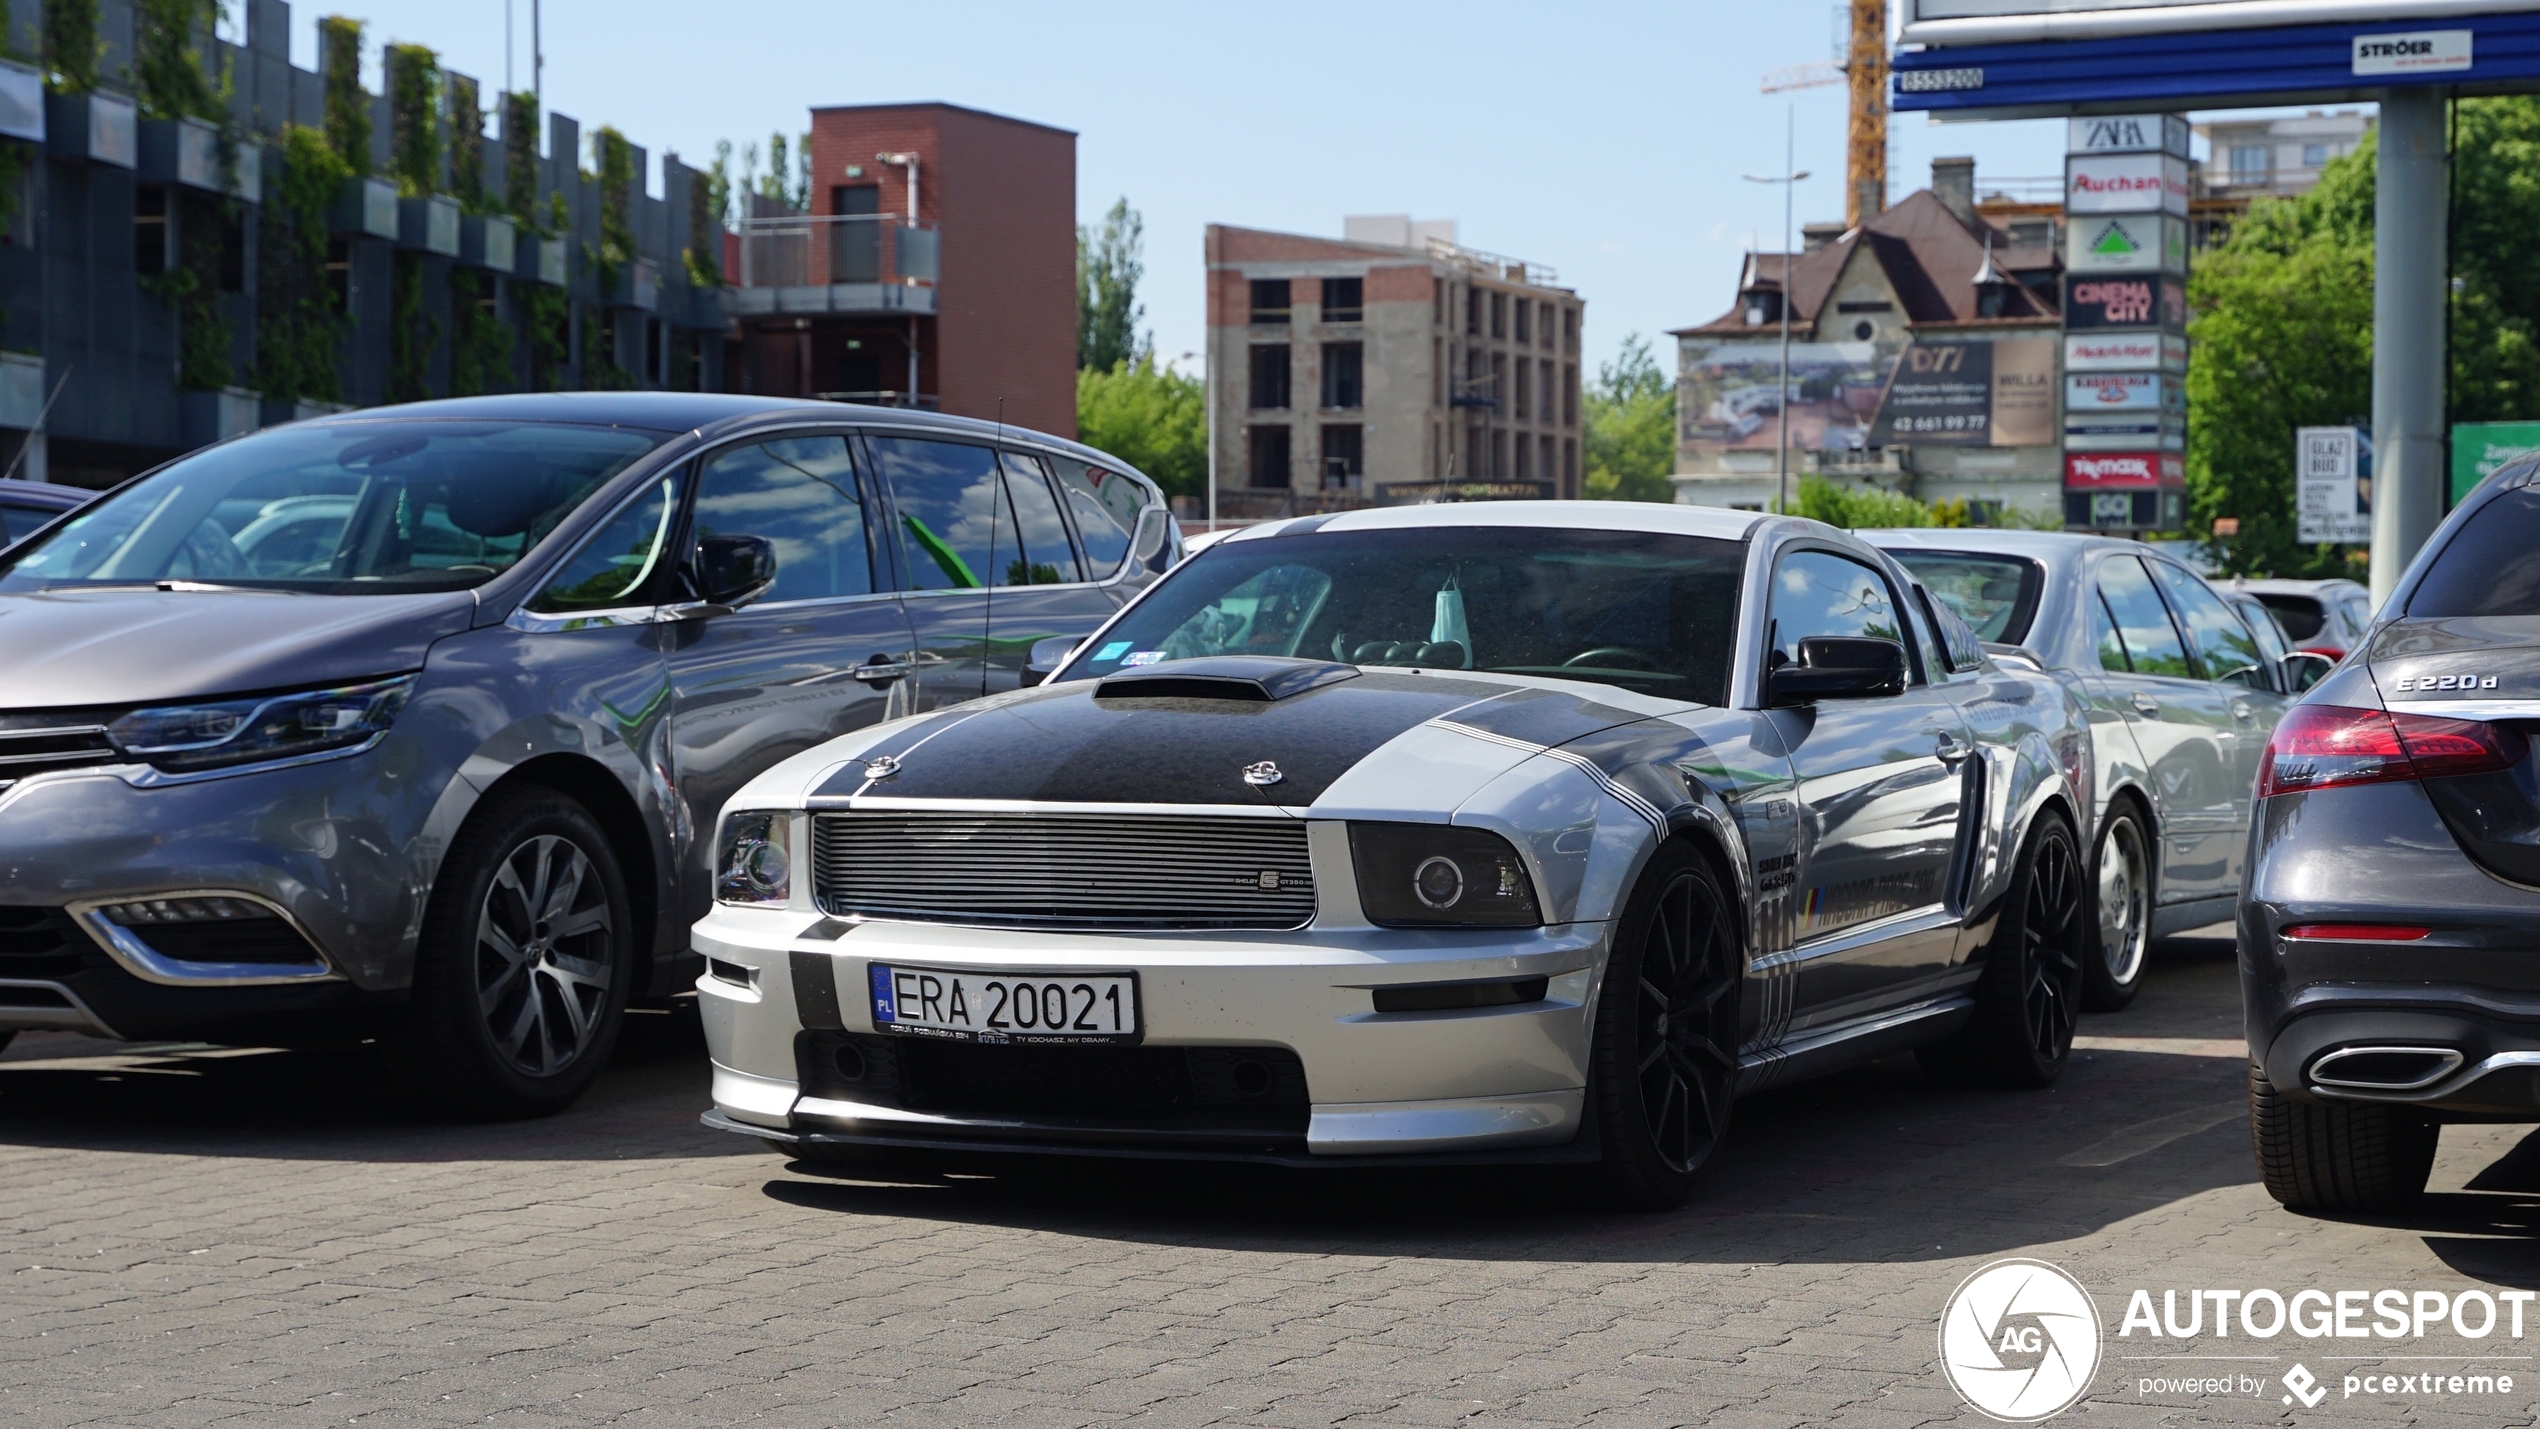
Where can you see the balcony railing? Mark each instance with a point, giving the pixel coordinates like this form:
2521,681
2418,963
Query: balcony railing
807,250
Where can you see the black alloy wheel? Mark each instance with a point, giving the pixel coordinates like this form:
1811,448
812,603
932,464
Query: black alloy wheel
1664,1070
524,967
2021,1032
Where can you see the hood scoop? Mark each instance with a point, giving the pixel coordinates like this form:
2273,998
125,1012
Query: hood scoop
1249,679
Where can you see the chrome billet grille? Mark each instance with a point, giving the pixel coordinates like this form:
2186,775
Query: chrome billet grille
30,747
1088,871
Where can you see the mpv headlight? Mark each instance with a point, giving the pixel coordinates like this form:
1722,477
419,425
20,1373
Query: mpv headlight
1440,876
217,733
754,858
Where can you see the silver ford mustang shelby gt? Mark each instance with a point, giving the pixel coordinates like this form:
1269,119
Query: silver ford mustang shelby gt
1507,832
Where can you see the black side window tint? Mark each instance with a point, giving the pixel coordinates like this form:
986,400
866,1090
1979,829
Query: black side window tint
622,563
2143,622
1106,506
1820,593
955,530
2491,566
800,494
1045,557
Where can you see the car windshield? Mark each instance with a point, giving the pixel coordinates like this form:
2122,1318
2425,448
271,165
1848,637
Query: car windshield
1654,613
1995,595
343,508
2300,615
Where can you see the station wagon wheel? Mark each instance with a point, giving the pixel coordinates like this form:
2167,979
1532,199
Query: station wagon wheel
2123,889
523,970
1664,1060
543,970
2020,1033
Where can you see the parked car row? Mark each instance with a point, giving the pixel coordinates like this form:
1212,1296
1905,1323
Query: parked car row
978,818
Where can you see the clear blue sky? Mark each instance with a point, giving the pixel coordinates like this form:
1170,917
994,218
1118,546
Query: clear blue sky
1605,139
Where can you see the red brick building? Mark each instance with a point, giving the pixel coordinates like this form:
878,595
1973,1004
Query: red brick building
965,298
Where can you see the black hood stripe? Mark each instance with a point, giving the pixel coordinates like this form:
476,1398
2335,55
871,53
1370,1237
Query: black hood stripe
1068,747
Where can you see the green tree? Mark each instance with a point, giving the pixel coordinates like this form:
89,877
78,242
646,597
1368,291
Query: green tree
1868,508
1109,262
347,107
1631,428
2282,326
1151,417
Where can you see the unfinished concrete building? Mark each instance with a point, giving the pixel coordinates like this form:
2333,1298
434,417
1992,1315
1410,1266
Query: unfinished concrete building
1388,367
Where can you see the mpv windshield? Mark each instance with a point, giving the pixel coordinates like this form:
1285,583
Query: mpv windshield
1653,613
353,508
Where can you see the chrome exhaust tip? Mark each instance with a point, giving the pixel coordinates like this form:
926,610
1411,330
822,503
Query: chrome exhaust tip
2383,1069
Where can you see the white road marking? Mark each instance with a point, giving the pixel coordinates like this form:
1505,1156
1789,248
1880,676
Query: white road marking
2231,1047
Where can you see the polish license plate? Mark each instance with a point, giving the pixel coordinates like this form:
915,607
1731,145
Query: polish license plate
1005,1006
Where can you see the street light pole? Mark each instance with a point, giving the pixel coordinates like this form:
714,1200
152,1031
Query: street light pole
1789,180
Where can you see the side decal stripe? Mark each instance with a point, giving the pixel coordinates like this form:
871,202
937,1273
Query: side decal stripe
1607,782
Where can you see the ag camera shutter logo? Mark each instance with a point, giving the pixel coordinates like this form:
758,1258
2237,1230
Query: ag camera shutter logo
2020,1341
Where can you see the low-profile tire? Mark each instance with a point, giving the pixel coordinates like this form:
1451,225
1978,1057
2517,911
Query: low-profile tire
2338,1157
1663,1065
2021,1032
522,972
2121,896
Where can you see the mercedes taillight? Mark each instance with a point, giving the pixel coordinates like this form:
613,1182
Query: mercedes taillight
2334,746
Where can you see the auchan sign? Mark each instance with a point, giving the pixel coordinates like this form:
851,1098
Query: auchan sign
2125,183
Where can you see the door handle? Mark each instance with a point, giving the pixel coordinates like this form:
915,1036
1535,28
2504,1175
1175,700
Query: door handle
881,670
2241,711
1952,750
2146,706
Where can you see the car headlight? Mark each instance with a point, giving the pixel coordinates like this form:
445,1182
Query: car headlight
217,733
754,858
1440,876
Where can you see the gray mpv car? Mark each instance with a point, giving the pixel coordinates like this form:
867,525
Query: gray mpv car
415,723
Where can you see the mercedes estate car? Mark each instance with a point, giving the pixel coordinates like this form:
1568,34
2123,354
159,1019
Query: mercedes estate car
413,723
2389,932
2181,691
1494,832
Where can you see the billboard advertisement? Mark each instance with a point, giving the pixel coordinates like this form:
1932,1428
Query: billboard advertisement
2333,485
1996,392
2481,449
2126,243
2093,301
2128,134
2125,352
1729,394
2125,183
2123,471
2123,392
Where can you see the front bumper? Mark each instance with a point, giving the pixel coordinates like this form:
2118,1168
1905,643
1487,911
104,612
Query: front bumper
323,846
783,992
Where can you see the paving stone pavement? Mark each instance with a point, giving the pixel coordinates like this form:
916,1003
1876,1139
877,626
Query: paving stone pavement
191,1236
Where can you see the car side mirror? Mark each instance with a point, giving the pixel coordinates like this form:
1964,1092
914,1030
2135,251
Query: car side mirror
2305,668
1047,656
732,571
1839,667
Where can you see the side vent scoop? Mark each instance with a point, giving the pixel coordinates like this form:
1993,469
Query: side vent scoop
1250,679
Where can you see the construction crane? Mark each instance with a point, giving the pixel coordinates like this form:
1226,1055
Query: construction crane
1864,68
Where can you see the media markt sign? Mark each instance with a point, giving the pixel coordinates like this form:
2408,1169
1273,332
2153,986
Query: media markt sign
2126,242
2333,485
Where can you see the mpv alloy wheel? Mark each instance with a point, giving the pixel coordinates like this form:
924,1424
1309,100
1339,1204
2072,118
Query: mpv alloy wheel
1664,1069
543,965
2115,972
523,969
